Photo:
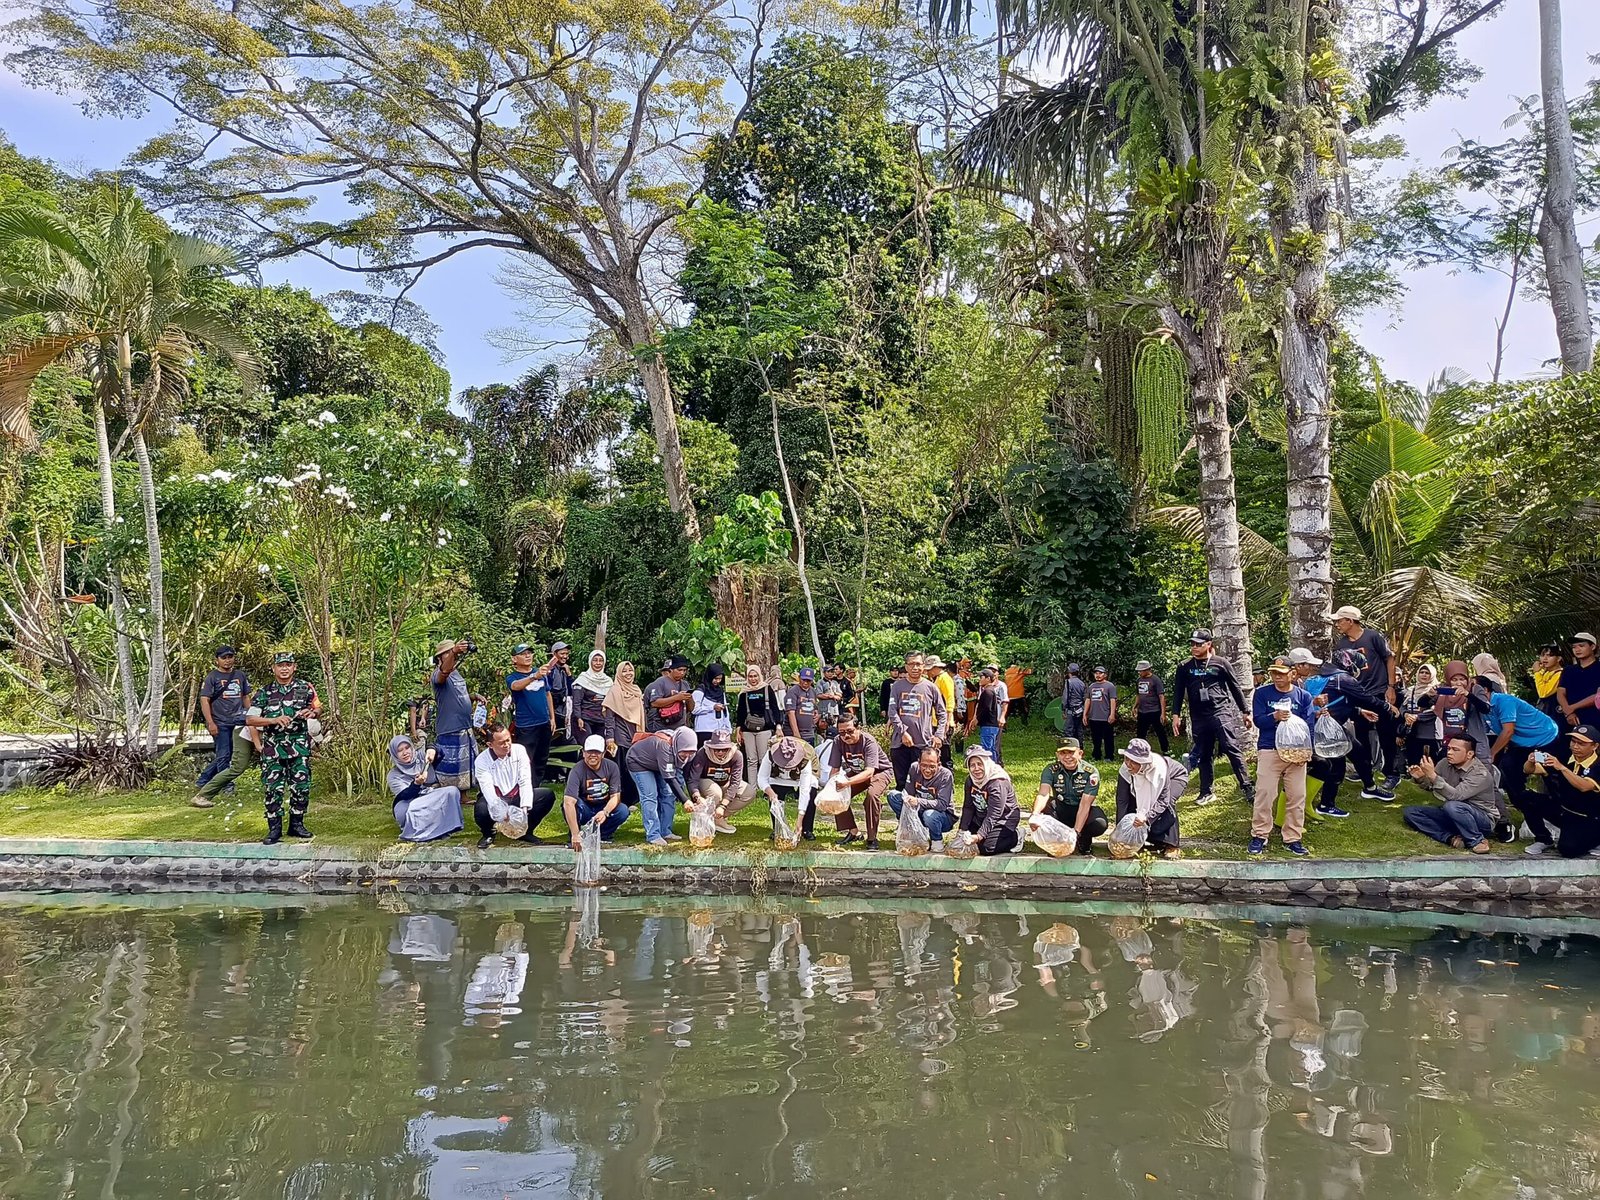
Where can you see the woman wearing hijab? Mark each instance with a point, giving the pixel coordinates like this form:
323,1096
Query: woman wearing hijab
756,715
1420,719
990,814
1148,785
1458,710
711,704
623,709
589,692
423,813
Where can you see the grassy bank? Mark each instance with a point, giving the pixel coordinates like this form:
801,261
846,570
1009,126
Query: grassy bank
162,812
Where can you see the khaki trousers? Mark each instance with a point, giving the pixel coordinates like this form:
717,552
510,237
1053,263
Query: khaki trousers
1270,772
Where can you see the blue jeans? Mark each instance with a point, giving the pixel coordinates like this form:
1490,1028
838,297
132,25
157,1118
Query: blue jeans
657,804
1454,818
989,738
935,820
608,828
221,754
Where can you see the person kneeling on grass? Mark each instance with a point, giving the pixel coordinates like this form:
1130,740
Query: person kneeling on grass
930,795
1571,797
716,776
860,768
1470,792
424,814
246,749
594,789
990,813
790,763
1068,789
1148,785
504,774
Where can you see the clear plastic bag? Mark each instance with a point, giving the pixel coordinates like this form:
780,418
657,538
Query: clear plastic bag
784,836
1332,739
957,846
831,802
1127,839
514,824
586,870
1293,740
911,838
1056,945
703,825
1054,837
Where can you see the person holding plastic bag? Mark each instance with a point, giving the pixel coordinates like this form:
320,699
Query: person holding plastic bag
928,798
1336,695
715,778
504,775
594,791
1282,712
989,810
1068,791
860,768
1148,787
789,764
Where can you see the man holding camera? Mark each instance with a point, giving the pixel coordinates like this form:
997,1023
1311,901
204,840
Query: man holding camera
561,690
452,716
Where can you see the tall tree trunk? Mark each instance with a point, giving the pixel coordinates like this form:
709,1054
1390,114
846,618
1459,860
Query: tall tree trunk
1301,231
663,418
156,684
119,602
747,603
1558,229
795,520
1219,513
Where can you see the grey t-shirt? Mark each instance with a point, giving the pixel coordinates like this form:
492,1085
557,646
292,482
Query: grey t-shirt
936,793
917,709
452,704
594,787
673,717
803,703
1150,692
1101,694
226,690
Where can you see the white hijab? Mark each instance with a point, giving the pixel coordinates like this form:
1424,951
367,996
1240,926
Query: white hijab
1149,785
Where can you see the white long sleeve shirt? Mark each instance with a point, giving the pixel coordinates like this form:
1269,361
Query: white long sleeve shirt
504,780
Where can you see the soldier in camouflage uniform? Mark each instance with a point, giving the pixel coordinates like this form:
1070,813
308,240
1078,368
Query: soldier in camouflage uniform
285,703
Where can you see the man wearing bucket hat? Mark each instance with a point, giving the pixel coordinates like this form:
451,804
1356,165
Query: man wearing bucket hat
716,777
990,813
286,705
452,715
1148,786
789,764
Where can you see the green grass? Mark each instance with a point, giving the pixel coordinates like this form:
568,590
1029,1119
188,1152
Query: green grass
162,813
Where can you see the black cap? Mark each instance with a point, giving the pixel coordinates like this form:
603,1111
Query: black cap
226,651
1588,732
1199,636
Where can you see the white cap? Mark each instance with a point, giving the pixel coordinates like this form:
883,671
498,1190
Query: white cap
594,742
1301,657
1348,613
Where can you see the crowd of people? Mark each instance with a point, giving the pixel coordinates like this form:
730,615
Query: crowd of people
804,746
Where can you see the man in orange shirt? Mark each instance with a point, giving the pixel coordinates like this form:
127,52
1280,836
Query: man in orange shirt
1014,689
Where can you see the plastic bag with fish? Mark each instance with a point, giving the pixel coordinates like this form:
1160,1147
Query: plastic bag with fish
1332,740
784,836
831,802
1127,839
514,824
1293,740
1056,946
958,847
586,870
702,825
1055,838
911,838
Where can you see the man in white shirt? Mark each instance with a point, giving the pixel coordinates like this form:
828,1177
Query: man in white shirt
504,776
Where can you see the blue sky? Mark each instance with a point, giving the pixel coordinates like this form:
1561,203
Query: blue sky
1445,320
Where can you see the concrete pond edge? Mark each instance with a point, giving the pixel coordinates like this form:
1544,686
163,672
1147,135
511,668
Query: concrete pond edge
1540,885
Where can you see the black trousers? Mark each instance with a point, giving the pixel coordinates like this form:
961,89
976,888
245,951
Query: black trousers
902,759
1094,825
1211,734
1331,772
1103,739
1151,722
543,801
1000,840
1387,752
536,741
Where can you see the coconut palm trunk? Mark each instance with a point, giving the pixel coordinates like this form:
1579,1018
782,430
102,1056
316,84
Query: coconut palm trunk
1558,229
156,681
119,602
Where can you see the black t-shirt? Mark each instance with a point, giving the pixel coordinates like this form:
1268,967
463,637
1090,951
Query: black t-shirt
1365,656
1580,683
989,706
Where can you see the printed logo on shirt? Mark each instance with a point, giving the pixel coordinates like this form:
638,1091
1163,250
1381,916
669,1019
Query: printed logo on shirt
597,790
1097,694
1145,686
911,706
854,764
719,775
807,706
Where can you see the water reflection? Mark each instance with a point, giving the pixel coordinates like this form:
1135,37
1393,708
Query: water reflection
626,1047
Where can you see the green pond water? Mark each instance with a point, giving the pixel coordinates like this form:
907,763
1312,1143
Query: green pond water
400,1046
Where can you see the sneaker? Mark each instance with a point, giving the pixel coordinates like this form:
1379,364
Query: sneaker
1537,848
671,837
1331,810
1351,775
202,802
1298,849
1483,848
1595,853
486,841
724,827
1375,792
656,841
1258,845
936,846
1203,799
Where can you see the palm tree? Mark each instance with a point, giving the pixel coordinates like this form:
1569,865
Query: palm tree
1558,230
1156,88
131,305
